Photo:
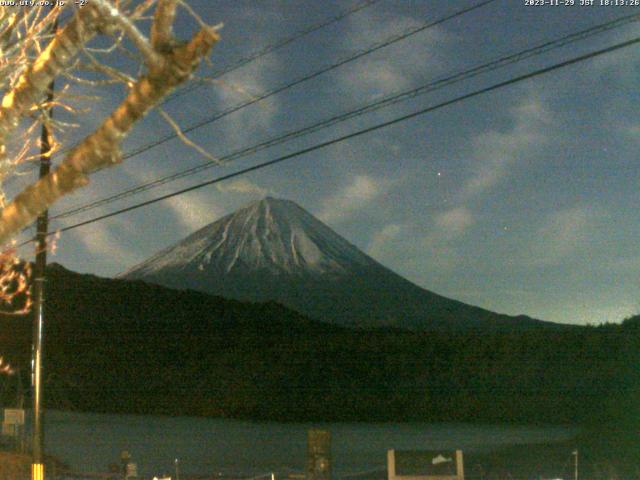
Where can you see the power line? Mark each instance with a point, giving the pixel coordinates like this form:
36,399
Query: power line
358,133
373,48
384,102
377,46
241,62
359,54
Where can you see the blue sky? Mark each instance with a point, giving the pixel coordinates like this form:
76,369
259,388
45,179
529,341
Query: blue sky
520,201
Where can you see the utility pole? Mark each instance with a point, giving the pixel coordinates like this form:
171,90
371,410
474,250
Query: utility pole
37,471
575,473
42,227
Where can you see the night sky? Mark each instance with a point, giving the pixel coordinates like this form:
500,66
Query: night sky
522,200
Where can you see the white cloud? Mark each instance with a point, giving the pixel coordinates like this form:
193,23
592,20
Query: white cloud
594,308
621,64
633,131
247,83
193,210
242,185
439,254
561,236
103,242
380,240
493,153
455,221
375,78
438,246
625,264
397,65
248,124
496,151
351,198
596,314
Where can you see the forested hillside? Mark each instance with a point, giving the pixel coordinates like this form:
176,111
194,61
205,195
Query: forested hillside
123,346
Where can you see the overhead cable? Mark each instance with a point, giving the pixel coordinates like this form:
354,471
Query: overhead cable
376,105
361,132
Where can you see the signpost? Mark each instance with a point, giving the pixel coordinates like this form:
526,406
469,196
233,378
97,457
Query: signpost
13,425
318,455
9,430
14,416
425,465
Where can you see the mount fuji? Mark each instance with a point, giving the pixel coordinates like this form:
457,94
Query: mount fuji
274,250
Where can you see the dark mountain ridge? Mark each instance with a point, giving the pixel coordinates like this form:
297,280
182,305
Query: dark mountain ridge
275,250
127,346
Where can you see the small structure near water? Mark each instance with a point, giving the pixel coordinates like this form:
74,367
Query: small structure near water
425,465
318,455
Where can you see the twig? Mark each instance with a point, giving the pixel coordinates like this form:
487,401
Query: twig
184,139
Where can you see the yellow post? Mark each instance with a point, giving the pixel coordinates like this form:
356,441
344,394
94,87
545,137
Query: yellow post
37,471
459,465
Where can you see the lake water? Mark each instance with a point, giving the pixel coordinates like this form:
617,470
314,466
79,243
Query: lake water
89,442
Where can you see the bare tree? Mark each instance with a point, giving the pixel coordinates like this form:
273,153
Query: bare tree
31,58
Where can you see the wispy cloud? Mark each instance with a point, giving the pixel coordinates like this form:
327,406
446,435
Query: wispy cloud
561,236
399,66
374,77
243,127
103,241
439,245
439,255
353,197
633,132
189,211
625,264
622,64
242,185
495,151
455,221
382,238
193,211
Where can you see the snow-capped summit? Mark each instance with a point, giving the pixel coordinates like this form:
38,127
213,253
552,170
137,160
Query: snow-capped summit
271,235
273,249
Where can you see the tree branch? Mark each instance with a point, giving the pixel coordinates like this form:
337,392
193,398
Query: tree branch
161,30
151,58
31,88
102,148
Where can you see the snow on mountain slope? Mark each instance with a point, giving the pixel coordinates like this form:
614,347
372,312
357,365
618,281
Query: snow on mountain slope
275,250
272,235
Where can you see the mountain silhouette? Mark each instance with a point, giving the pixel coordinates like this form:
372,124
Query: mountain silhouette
274,250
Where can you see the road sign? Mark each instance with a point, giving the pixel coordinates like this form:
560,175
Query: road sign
318,455
9,430
425,465
14,416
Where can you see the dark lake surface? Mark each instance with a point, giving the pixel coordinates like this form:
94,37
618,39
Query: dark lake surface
90,442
